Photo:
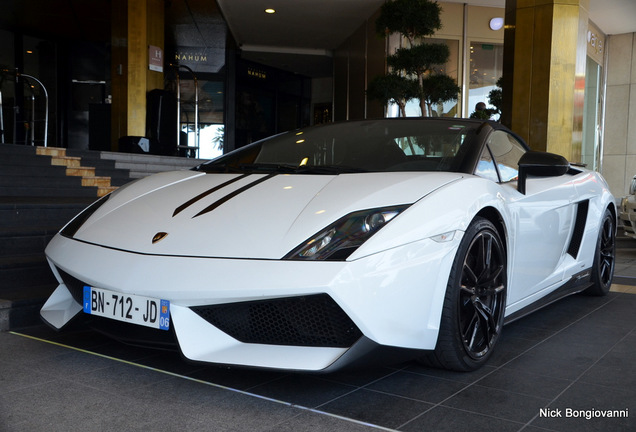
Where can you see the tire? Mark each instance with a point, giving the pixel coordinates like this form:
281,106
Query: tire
475,301
604,257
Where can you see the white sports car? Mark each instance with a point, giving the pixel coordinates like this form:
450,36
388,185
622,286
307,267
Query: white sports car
320,247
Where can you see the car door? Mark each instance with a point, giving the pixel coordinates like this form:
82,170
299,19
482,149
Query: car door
542,219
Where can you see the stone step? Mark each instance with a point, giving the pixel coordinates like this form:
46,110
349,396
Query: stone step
67,161
25,241
21,217
105,190
23,272
51,151
48,192
21,308
96,181
51,181
80,171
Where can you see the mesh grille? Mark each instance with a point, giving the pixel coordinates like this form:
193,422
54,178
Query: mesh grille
315,321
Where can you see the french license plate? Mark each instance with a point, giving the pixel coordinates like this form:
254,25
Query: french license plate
146,311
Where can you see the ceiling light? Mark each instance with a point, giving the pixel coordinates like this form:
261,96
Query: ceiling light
496,23
270,10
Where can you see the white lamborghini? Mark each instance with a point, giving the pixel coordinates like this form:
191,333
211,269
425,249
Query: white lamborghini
321,247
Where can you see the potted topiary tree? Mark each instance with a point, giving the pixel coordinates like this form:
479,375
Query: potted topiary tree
412,68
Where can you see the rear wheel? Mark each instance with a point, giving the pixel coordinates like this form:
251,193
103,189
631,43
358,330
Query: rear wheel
472,318
604,257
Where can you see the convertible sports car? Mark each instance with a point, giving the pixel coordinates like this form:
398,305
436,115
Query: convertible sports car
320,247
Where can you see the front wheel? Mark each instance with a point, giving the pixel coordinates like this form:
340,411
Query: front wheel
604,257
475,301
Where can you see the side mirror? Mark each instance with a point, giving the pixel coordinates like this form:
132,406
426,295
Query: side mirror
541,164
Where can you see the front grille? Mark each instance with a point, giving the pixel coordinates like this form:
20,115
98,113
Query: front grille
314,321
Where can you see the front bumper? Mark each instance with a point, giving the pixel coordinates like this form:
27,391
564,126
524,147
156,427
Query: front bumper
393,299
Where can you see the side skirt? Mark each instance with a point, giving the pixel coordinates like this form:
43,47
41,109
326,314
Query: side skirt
577,283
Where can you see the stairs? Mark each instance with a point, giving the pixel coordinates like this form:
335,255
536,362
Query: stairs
41,189
74,168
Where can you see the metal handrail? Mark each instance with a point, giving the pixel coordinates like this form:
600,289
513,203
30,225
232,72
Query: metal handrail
46,115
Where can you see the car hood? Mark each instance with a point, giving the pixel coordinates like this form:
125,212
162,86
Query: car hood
257,216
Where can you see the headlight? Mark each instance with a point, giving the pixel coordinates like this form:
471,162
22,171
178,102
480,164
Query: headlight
632,187
71,228
343,237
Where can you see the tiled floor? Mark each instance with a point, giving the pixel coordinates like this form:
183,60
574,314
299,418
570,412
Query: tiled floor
550,370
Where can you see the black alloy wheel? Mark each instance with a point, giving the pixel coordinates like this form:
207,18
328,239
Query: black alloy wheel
604,257
475,302
482,294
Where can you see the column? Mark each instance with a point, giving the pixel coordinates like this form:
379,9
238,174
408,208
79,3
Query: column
136,25
544,73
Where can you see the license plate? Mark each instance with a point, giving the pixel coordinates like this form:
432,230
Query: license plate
146,311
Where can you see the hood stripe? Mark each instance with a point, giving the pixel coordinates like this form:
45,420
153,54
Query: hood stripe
229,196
206,193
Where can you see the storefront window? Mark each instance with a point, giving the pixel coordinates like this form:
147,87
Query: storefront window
486,67
451,68
591,115
210,116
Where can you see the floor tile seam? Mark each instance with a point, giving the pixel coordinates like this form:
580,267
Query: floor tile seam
85,351
540,428
462,410
561,330
628,335
430,376
388,374
577,379
123,393
354,387
32,386
410,398
596,384
250,388
558,332
211,384
358,388
467,386
516,357
521,393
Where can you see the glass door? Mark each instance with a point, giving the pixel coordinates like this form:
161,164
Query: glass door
590,147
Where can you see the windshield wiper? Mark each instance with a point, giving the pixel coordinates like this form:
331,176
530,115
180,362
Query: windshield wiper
328,169
270,168
216,168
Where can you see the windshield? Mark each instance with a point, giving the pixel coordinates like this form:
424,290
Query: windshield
363,146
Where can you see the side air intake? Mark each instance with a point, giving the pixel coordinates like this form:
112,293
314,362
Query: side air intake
579,228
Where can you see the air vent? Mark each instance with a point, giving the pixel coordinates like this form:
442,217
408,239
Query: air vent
579,228
314,320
